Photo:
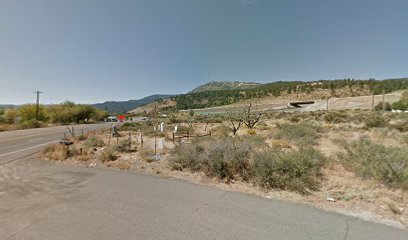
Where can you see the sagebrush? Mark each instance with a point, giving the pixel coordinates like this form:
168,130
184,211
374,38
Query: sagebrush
371,160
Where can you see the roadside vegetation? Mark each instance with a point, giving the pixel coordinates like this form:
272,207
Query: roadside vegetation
388,164
25,116
243,160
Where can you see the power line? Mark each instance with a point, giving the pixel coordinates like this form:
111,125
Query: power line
38,103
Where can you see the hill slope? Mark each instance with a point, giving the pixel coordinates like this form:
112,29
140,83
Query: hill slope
217,86
277,91
124,106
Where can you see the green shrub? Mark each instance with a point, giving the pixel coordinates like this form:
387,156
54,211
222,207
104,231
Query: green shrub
187,156
379,106
296,170
256,141
226,158
301,134
248,160
108,154
32,124
2,119
336,117
229,158
294,119
94,142
123,146
360,117
383,163
375,120
402,104
404,139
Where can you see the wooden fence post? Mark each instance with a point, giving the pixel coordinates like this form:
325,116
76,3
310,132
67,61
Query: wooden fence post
141,139
110,136
155,145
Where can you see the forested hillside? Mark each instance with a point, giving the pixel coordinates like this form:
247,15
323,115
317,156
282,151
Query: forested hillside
124,106
334,88
223,85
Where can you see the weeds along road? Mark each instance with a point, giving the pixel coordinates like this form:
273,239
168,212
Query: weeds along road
44,200
20,143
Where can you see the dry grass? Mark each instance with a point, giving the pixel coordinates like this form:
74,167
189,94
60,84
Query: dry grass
58,152
93,142
118,164
371,160
108,154
84,157
301,134
81,137
146,154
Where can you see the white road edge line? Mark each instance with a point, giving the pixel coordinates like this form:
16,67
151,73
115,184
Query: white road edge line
22,150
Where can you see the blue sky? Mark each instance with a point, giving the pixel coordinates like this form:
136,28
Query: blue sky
91,51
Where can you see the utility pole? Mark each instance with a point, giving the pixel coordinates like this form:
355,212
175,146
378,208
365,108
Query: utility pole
38,104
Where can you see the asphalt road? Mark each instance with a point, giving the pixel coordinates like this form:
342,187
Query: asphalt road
43,200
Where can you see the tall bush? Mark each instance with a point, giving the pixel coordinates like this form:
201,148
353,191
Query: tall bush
296,170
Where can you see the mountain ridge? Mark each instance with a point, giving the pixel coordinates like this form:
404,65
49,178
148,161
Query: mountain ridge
224,85
124,106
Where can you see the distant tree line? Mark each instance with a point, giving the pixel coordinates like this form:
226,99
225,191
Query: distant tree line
224,97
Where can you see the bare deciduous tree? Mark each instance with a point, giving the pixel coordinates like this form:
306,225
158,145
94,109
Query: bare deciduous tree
250,118
235,121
